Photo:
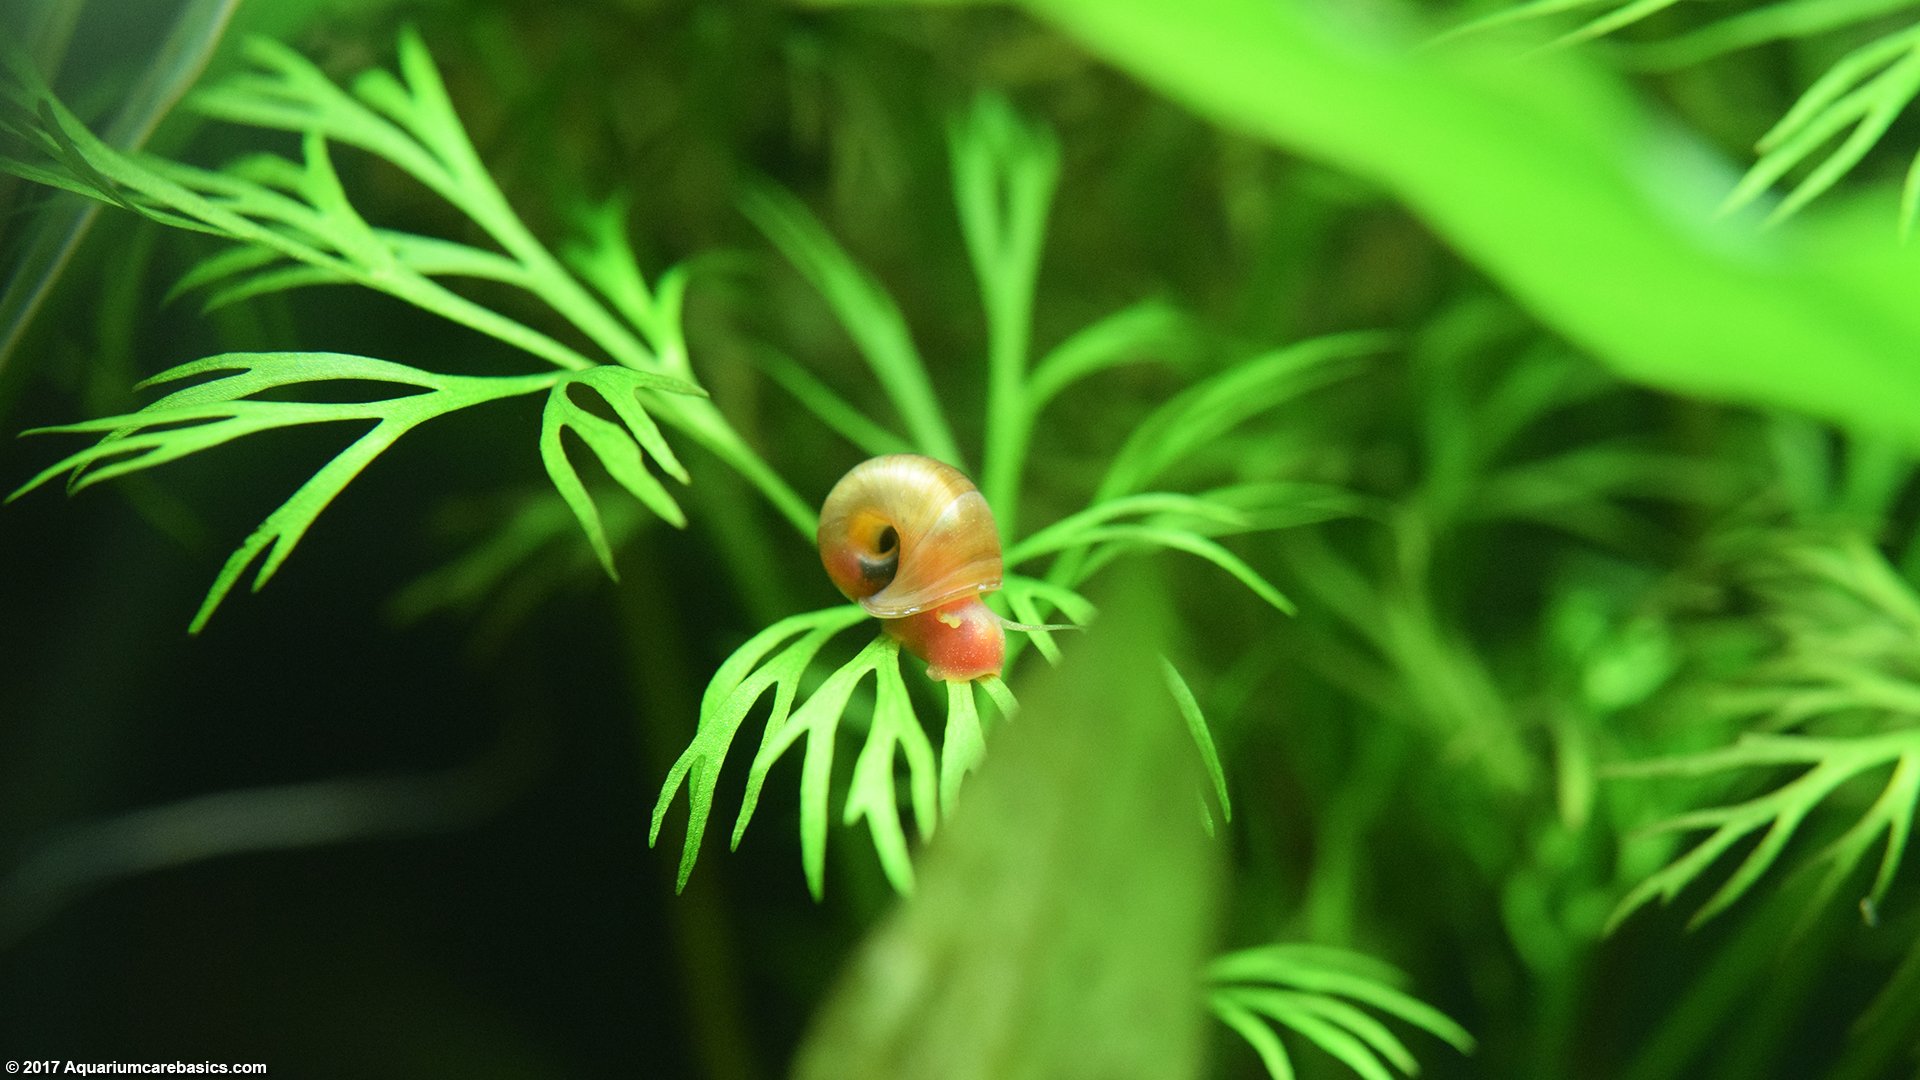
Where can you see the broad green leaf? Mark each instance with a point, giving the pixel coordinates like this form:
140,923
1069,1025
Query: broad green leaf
1516,165
1060,918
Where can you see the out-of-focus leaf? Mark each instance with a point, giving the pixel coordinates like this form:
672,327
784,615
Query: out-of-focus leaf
57,233
1062,917
1550,177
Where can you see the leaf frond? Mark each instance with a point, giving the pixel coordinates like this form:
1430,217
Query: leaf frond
211,413
778,659
1317,993
1216,405
734,689
869,315
1202,737
1866,91
1777,815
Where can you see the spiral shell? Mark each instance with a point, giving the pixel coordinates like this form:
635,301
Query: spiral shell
914,542
903,534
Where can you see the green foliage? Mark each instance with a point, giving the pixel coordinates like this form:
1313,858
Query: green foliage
1558,646
1062,917
1832,762
1863,93
1866,91
57,230
219,410
294,225
749,674
1521,164
1004,173
1622,15
621,449
1317,993
1837,697
1202,741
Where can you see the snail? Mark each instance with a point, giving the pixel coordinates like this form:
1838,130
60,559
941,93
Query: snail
914,542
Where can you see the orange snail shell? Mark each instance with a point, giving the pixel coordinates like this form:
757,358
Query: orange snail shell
914,542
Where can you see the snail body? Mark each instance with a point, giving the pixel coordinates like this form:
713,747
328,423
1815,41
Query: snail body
914,543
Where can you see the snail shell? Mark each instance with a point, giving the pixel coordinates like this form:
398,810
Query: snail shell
914,542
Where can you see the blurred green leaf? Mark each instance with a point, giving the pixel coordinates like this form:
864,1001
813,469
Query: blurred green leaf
1557,183
1316,992
1063,915
59,228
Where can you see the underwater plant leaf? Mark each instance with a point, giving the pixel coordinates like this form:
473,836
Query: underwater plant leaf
893,727
1209,409
1302,1014
871,794
1078,609
56,232
300,212
1060,918
1026,610
1824,111
602,255
1871,107
1625,15
1004,172
622,450
818,720
1001,696
1718,311
245,210
247,266
1133,334
863,307
221,409
295,226
1312,990
1202,737
1033,600
1780,812
1118,538
832,410
733,691
1081,529
1518,13
1265,1042
1780,21
964,745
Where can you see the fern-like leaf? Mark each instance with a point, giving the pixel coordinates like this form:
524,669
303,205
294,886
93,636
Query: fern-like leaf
221,409
1777,815
622,448
1202,740
1317,993
776,660
1866,90
864,308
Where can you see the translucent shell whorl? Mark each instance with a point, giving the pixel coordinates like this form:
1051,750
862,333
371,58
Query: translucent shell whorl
903,534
